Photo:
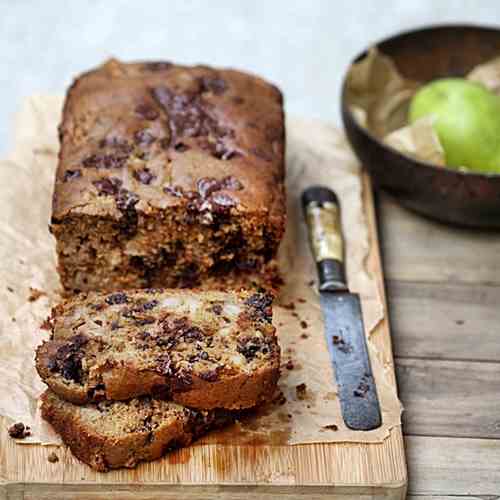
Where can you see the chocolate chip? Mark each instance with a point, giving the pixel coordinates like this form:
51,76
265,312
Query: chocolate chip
193,333
207,185
109,186
181,147
250,346
157,66
221,202
69,175
361,390
182,381
331,427
260,153
144,175
210,375
204,355
118,143
147,111
19,431
106,160
231,183
116,298
261,304
144,138
126,200
300,391
164,364
68,359
217,309
212,84
176,191
189,117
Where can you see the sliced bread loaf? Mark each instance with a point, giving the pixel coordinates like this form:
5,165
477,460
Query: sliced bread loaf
108,435
202,349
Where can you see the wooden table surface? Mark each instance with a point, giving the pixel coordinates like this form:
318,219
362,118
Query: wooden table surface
443,287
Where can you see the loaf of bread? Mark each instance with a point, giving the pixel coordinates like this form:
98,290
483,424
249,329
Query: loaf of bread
108,435
200,349
167,175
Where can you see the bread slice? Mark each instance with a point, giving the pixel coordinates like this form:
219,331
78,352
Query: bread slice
202,349
112,434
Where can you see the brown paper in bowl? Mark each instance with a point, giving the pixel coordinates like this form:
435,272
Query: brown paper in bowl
317,153
379,98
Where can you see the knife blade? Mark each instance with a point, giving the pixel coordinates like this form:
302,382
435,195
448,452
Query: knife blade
342,313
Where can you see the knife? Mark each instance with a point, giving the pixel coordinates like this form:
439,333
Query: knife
344,329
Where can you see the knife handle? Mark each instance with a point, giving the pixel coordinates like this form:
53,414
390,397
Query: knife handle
322,213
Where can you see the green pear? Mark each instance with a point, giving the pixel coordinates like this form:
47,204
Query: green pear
466,120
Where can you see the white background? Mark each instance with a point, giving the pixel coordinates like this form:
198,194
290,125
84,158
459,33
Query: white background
303,46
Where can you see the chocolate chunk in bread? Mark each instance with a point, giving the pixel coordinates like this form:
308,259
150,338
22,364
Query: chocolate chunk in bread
202,349
167,176
112,434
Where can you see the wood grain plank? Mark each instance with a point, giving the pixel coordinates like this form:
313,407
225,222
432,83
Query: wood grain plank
453,466
450,398
431,320
418,249
46,492
461,497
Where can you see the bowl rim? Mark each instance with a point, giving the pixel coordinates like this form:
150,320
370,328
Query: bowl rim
345,109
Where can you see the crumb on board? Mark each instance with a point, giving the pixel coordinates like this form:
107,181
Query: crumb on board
361,390
53,458
310,283
289,365
331,427
10,289
459,322
301,300
303,324
304,336
13,320
19,431
35,294
290,306
301,391
280,399
46,324
295,315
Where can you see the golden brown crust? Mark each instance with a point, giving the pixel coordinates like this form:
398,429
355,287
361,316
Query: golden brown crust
201,349
169,165
111,435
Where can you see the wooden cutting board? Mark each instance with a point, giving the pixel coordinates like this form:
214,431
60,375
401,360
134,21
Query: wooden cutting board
223,469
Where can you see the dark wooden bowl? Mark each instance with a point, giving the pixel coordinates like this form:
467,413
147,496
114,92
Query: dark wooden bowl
467,199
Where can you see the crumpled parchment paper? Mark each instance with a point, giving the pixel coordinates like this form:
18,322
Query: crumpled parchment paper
380,96
316,153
